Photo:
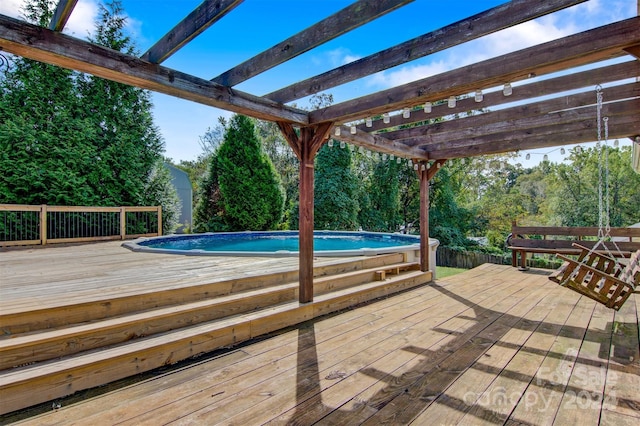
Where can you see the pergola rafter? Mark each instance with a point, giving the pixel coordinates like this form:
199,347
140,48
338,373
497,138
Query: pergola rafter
202,17
534,123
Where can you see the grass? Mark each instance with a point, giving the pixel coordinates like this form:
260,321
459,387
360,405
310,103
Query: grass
444,271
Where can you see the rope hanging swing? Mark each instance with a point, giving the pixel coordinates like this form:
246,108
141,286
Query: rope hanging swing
599,276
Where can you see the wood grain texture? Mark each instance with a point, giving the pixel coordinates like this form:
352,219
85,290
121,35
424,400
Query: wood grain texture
353,16
572,51
461,353
500,17
43,45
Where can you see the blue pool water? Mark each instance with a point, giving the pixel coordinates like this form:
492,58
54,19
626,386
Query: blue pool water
283,243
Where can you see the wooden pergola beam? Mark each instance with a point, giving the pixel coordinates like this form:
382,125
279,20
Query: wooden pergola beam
351,17
580,49
40,44
481,24
61,14
557,134
202,17
523,92
489,122
530,125
379,143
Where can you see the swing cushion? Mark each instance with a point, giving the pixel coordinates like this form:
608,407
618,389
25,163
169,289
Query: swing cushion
600,277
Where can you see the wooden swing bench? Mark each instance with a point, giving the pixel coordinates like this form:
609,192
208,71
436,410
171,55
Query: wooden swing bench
561,239
599,277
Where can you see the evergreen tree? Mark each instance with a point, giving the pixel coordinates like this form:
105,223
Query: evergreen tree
44,155
381,212
127,143
250,188
209,212
335,195
159,191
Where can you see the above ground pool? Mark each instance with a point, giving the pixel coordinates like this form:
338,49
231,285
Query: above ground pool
278,243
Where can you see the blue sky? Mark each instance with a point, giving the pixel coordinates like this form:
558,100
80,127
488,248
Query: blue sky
256,25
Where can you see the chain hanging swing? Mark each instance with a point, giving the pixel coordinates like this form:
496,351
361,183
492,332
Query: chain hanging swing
595,274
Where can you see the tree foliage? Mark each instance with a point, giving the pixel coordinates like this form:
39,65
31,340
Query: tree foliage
336,206
242,190
71,139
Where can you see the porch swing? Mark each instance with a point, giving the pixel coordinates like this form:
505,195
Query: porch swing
600,275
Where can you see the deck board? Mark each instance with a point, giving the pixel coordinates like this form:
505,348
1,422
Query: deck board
490,346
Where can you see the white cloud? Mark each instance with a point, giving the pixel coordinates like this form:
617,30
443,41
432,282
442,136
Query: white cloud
407,74
11,8
339,57
81,21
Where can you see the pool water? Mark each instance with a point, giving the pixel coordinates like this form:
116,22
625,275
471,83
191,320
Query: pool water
328,243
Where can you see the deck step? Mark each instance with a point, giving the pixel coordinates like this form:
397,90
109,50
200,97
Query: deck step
44,381
50,317
54,343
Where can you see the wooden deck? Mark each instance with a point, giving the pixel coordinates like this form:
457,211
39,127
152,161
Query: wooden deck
490,346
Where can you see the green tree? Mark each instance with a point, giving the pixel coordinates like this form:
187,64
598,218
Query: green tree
250,188
44,155
286,164
159,191
126,141
209,211
575,188
380,203
336,205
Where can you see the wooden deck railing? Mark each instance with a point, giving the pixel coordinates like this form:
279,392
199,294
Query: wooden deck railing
44,224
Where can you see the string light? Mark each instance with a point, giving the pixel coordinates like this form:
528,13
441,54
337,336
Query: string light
410,163
338,131
392,157
406,113
330,143
361,150
545,158
398,160
616,143
385,118
578,149
384,157
479,96
427,107
415,167
452,102
528,157
507,90
353,130
369,122
562,151
342,144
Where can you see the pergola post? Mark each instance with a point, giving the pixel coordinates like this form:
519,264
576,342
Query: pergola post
305,146
426,173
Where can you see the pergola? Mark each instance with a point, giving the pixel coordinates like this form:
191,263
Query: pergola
541,118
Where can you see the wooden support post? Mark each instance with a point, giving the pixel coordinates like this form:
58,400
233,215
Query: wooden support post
306,224
43,224
123,223
159,221
426,173
305,146
424,219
